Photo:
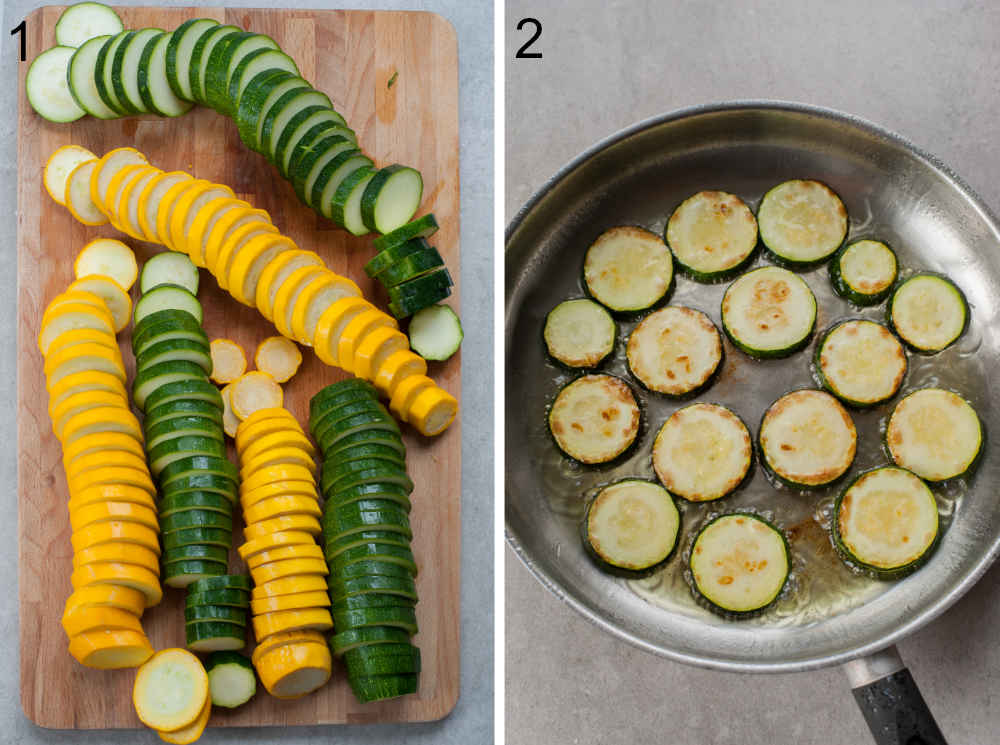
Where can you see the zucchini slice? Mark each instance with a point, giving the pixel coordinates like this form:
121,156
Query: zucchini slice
169,268
934,433
802,222
391,198
633,525
886,522
81,22
861,362
595,418
739,563
422,227
180,50
436,332
928,312
864,272
154,84
579,333
769,312
82,81
125,69
712,235
807,438
674,350
231,680
628,269
200,54
47,86
167,297
702,452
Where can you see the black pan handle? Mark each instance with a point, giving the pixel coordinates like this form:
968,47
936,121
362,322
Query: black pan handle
890,701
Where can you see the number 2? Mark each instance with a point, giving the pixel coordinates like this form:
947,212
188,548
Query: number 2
523,52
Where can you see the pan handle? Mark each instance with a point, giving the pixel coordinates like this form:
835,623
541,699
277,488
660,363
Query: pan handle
890,701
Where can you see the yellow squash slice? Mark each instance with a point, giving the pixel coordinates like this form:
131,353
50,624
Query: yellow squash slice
277,457
294,670
149,201
296,601
355,331
170,690
113,294
279,489
104,459
375,348
77,197
128,575
272,474
288,586
396,368
59,167
98,619
288,568
112,162
230,422
284,638
121,553
191,733
95,535
235,242
278,506
288,438
304,523
110,649
225,226
432,411
309,619
106,596
279,553
170,198
273,541
326,339
205,220
77,402
278,357
253,391
406,392
71,316
228,360
276,272
288,292
249,262
111,493
103,512
314,301
108,258
129,198
185,208
99,441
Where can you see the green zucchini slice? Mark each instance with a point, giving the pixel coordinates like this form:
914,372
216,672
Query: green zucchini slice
436,332
864,272
182,427
928,312
802,222
150,379
183,573
674,350
169,268
382,659
633,525
807,438
227,581
934,433
196,552
351,638
368,600
628,269
47,85
391,198
412,266
173,350
231,679
198,536
179,52
154,83
102,73
250,107
579,333
212,636
195,501
739,564
394,254
125,69
253,64
300,125
339,394
200,54
222,613
712,235
196,519
417,294
861,362
886,522
769,312
595,418
346,206
81,22
228,596
401,617
702,452
82,79
167,297
192,389
371,688
423,227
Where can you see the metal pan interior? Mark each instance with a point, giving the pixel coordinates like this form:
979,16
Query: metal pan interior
893,192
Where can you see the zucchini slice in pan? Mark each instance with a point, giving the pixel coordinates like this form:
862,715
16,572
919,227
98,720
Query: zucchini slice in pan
802,222
674,350
934,433
864,272
628,269
769,312
633,525
702,452
595,418
928,312
579,333
712,235
807,438
886,522
861,362
739,564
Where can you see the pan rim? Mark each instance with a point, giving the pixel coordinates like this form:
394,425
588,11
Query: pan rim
851,651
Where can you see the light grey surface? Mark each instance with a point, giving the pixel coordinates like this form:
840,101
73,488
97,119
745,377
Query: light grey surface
472,720
928,72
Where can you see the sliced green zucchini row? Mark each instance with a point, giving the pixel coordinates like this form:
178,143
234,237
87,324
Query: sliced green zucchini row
861,362
739,564
886,522
712,235
184,441
807,438
632,525
366,540
109,71
595,418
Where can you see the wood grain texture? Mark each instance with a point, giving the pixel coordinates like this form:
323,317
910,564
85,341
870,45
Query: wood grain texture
350,55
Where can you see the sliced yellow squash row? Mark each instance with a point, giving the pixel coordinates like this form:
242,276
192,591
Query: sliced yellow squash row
262,268
281,508
112,509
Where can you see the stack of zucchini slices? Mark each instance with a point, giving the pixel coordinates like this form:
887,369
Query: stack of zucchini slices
366,535
185,442
114,72
215,613
411,270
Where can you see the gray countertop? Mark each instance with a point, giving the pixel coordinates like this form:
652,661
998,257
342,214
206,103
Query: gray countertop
930,71
472,720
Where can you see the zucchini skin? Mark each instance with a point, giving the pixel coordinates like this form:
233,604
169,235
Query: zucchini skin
888,312
714,278
833,391
846,291
614,569
733,615
873,571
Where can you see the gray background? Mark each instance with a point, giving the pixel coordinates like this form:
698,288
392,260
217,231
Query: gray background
472,720
928,70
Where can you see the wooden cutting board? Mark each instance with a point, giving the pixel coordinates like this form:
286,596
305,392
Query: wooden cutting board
351,56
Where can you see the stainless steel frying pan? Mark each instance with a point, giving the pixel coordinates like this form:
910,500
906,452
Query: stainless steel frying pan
894,192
